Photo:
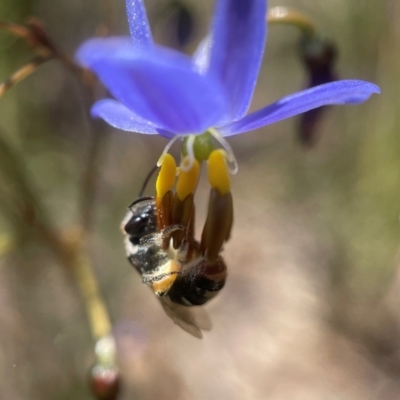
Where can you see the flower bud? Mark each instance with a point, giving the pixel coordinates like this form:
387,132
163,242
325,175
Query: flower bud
105,382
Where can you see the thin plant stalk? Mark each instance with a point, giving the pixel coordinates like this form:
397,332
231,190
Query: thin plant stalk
72,257
287,16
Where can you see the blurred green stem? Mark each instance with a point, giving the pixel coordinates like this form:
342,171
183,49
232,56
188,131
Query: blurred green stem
288,16
6,244
69,249
95,307
22,73
15,29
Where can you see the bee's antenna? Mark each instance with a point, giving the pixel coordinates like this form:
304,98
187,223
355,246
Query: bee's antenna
146,181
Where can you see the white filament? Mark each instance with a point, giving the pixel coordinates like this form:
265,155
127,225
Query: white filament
166,149
233,166
187,166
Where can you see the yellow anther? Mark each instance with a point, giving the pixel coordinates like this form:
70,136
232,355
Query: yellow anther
187,180
167,174
218,174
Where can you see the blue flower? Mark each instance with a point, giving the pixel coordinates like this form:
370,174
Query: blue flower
162,91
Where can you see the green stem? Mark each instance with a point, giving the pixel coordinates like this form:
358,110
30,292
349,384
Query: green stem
70,253
288,16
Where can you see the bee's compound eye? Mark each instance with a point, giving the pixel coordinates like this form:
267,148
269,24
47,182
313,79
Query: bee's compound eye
137,225
141,219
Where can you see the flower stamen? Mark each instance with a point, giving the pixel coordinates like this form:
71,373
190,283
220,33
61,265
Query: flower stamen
187,180
166,176
218,172
233,167
164,196
188,161
183,202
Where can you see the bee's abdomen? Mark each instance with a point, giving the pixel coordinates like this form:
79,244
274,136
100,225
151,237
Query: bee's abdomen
200,284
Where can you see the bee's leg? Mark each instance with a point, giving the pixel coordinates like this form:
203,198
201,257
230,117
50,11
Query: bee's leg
159,238
219,220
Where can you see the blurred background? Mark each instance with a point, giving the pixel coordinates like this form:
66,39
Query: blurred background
311,306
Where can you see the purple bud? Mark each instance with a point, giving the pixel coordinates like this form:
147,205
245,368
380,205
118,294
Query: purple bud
105,382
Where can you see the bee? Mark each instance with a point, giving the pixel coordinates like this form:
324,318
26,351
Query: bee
182,277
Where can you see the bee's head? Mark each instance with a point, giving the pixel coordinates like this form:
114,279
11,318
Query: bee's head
141,219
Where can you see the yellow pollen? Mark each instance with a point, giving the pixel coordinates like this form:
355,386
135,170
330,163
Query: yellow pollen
166,176
168,274
218,174
187,180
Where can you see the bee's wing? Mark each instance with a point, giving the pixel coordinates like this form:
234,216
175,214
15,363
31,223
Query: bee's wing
191,319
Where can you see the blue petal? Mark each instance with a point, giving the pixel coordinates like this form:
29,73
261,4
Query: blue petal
123,46
138,24
201,57
340,92
97,48
161,87
238,39
118,116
